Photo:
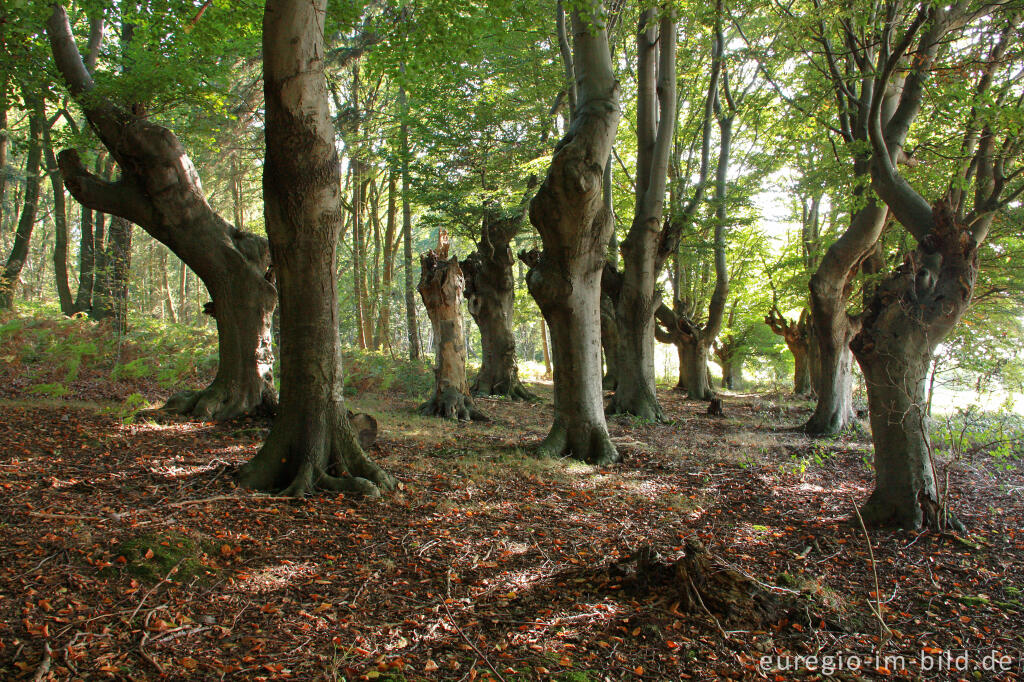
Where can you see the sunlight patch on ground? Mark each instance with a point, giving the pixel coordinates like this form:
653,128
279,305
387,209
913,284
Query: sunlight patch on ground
273,577
173,472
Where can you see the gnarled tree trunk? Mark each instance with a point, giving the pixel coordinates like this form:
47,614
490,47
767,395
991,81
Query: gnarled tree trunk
312,443
909,315
490,294
798,339
441,285
575,226
159,190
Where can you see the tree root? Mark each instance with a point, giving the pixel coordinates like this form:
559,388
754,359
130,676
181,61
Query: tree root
297,462
648,410
513,390
882,510
452,404
702,583
595,448
217,402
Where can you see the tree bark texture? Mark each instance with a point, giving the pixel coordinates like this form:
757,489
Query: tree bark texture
490,295
312,443
11,274
441,285
642,255
159,190
412,329
911,312
574,224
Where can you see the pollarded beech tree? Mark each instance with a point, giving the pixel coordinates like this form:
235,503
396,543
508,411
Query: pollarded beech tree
490,294
918,304
159,190
441,286
643,250
797,338
575,226
312,443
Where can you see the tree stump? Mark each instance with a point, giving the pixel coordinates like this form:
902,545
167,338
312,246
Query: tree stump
715,407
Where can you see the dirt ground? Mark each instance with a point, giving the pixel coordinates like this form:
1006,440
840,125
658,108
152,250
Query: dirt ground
129,553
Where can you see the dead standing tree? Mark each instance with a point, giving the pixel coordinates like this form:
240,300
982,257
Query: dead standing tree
441,286
575,226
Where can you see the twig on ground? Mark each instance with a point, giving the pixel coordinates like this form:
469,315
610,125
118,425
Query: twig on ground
884,633
44,666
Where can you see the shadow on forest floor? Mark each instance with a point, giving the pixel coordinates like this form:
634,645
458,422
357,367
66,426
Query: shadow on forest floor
129,553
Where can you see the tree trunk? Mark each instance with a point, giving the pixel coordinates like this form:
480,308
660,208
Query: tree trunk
4,144
159,190
575,226
801,372
441,285
545,348
86,262
312,443
165,286
114,302
60,224
383,333
490,295
609,342
642,257
908,316
11,274
833,327
410,295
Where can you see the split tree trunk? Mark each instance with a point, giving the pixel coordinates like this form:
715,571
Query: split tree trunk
312,443
575,226
11,274
798,339
490,295
441,286
642,255
159,190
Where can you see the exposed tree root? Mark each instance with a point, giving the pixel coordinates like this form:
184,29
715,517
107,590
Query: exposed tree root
884,510
592,445
451,403
300,458
509,387
218,402
648,409
702,583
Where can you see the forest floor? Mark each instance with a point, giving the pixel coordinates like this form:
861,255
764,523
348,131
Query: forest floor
129,553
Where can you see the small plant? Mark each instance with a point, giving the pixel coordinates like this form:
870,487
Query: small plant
54,390
131,370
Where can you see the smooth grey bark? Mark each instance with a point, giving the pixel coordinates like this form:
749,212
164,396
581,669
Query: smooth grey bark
312,443
490,295
569,212
642,254
159,190
11,274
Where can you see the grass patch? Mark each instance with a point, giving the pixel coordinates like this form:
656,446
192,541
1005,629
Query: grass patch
171,556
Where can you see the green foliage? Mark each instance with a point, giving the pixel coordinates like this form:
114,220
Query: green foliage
166,556
53,390
131,370
971,432
378,372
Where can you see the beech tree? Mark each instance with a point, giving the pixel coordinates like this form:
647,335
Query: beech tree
644,250
442,283
575,225
312,443
11,273
918,304
159,190
490,295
